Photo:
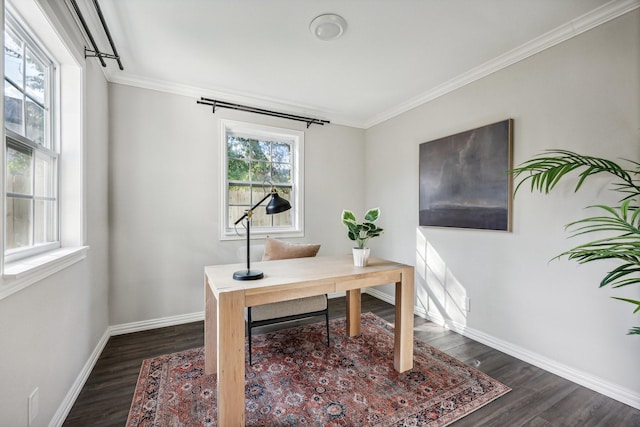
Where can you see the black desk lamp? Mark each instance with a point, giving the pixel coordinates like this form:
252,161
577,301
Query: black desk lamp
276,205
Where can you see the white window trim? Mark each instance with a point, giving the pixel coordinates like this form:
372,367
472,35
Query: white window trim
227,231
19,274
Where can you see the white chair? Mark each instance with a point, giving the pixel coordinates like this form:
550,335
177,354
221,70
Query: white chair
286,311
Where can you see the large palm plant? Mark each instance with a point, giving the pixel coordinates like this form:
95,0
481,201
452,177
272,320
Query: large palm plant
621,223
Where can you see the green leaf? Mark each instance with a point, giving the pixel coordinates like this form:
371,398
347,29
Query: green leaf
545,172
348,216
372,215
630,301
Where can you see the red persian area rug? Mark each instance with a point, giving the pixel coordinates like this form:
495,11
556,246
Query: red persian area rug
296,380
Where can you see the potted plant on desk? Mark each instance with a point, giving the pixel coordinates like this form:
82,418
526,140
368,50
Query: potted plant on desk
361,233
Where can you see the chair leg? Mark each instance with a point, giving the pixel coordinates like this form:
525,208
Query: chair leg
250,361
249,330
327,322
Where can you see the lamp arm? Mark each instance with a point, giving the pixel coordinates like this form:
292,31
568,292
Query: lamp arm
247,212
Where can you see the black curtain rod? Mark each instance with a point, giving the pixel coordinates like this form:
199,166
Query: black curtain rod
223,104
95,53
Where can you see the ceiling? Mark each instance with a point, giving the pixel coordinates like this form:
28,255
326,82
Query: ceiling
394,54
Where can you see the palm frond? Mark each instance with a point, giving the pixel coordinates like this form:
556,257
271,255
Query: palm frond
634,331
617,277
544,172
634,302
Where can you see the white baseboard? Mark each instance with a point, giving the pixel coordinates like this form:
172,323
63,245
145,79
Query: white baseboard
614,391
380,295
76,388
145,325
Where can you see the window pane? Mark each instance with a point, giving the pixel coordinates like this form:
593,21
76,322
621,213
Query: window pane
35,80
240,195
19,170
262,150
238,170
44,228
281,173
260,172
35,122
237,148
259,150
281,153
13,53
44,176
13,116
18,223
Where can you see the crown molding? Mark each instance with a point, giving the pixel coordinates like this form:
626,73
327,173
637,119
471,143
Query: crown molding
573,28
236,97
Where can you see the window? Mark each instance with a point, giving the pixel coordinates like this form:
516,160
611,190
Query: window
31,208
254,159
44,207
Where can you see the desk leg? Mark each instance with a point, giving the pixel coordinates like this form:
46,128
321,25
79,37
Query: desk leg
353,312
231,359
210,330
403,339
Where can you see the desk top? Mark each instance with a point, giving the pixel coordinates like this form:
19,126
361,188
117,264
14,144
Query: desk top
323,274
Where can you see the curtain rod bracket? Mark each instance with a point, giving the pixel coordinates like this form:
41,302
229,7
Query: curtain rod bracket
88,53
222,104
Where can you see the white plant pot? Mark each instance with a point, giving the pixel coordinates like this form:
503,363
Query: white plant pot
360,257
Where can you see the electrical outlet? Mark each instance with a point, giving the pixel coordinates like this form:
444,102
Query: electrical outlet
34,405
467,304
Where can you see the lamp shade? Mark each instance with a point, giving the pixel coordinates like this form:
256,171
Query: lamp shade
277,204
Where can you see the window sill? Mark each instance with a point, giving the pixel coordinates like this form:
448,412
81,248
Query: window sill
20,274
262,235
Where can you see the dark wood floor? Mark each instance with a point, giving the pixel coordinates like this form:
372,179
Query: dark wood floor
538,398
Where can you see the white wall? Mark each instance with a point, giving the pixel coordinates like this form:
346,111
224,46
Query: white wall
581,95
165,195
49,330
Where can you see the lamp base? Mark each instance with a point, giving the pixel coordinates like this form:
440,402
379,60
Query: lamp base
248,275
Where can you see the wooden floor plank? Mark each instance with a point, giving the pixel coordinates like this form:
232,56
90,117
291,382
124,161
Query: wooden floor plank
538,398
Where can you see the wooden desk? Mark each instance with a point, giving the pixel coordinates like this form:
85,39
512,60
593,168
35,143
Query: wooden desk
224,328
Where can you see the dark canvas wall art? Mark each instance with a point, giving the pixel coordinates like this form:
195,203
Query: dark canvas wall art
464,179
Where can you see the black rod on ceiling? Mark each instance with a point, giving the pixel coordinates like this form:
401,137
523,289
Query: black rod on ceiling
223,104
108,33
95,53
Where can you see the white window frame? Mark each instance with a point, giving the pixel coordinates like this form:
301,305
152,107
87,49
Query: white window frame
68,126
50,146
227,229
